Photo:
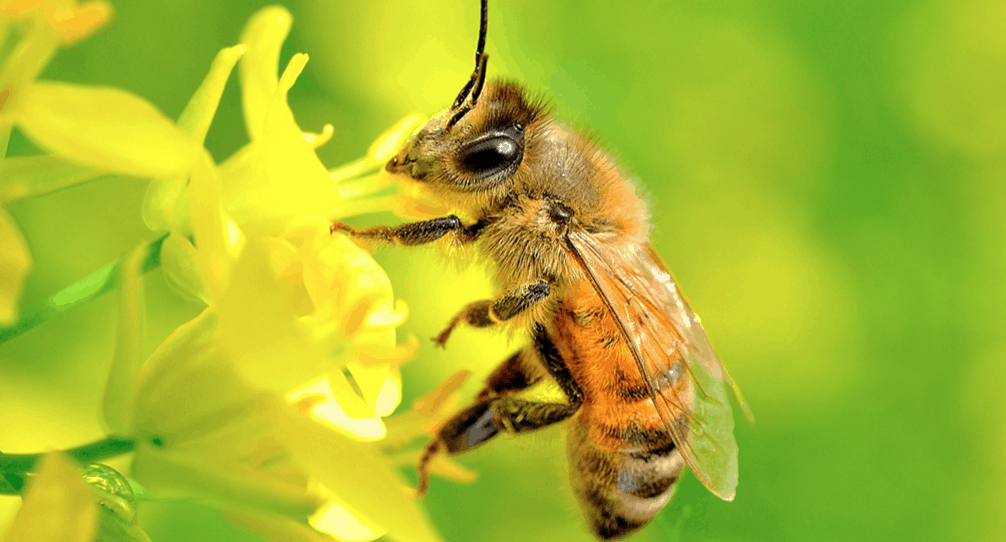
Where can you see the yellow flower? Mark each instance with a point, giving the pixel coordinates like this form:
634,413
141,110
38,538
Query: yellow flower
269,402
89,131
297,319
277,177
67,20
58,506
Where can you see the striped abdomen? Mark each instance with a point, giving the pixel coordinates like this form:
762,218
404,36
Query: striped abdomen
620,492
623,464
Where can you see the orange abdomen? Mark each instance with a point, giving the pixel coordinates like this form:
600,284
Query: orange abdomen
623,464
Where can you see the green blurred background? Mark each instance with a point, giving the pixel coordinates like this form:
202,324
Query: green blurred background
827,180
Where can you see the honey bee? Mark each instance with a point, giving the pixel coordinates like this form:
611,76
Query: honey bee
567,236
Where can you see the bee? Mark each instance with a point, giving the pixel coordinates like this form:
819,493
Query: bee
566,234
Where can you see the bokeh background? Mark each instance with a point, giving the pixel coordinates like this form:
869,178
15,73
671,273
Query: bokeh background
827,180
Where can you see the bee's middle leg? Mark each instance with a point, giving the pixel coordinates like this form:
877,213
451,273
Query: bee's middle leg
489,312
485,419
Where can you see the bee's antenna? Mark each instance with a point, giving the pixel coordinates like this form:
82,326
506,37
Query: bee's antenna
483,30
482,80
479,83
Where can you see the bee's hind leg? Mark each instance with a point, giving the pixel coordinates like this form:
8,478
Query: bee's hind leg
489,312
485,419
499,407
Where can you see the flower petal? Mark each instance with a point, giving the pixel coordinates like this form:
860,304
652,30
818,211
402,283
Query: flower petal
117,405
165,205
274,527
25,176
263,35
259,330
393,139
15,262
58,506
19,7
317,140
188,388
432,403
23,65
198,114
180,264
335,520
443,465
288,178
185,473
218,239
362,483
106,128
75,24
334,402
391,393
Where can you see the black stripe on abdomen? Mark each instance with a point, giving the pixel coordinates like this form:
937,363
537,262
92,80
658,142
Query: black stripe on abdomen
621,491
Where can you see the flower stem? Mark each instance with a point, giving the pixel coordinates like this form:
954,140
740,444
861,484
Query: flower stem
74,295
15,466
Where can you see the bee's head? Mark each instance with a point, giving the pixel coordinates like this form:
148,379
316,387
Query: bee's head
480,141
472,147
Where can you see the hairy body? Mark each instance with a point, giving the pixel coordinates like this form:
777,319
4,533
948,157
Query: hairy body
567,237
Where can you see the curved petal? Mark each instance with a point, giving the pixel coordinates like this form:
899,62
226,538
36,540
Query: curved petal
15,262
165,205
286,178
263,36
25,176
198,114
58,506
180,264
107,128
117,407
218,239
80,22
370,489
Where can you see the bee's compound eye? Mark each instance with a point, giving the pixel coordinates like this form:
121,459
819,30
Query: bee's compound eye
488,157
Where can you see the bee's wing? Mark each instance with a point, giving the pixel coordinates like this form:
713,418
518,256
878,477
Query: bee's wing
661,330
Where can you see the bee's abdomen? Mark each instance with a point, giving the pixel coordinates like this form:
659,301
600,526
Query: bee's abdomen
621,491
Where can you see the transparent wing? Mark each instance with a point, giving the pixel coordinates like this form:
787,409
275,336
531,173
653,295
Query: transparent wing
667,342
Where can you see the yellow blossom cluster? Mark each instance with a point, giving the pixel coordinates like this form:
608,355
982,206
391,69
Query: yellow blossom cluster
269,402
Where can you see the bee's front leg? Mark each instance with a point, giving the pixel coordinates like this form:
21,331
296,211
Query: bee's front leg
489,312
414,233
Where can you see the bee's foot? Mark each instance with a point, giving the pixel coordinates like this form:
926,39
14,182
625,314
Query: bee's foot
423,468
441,340
341,226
